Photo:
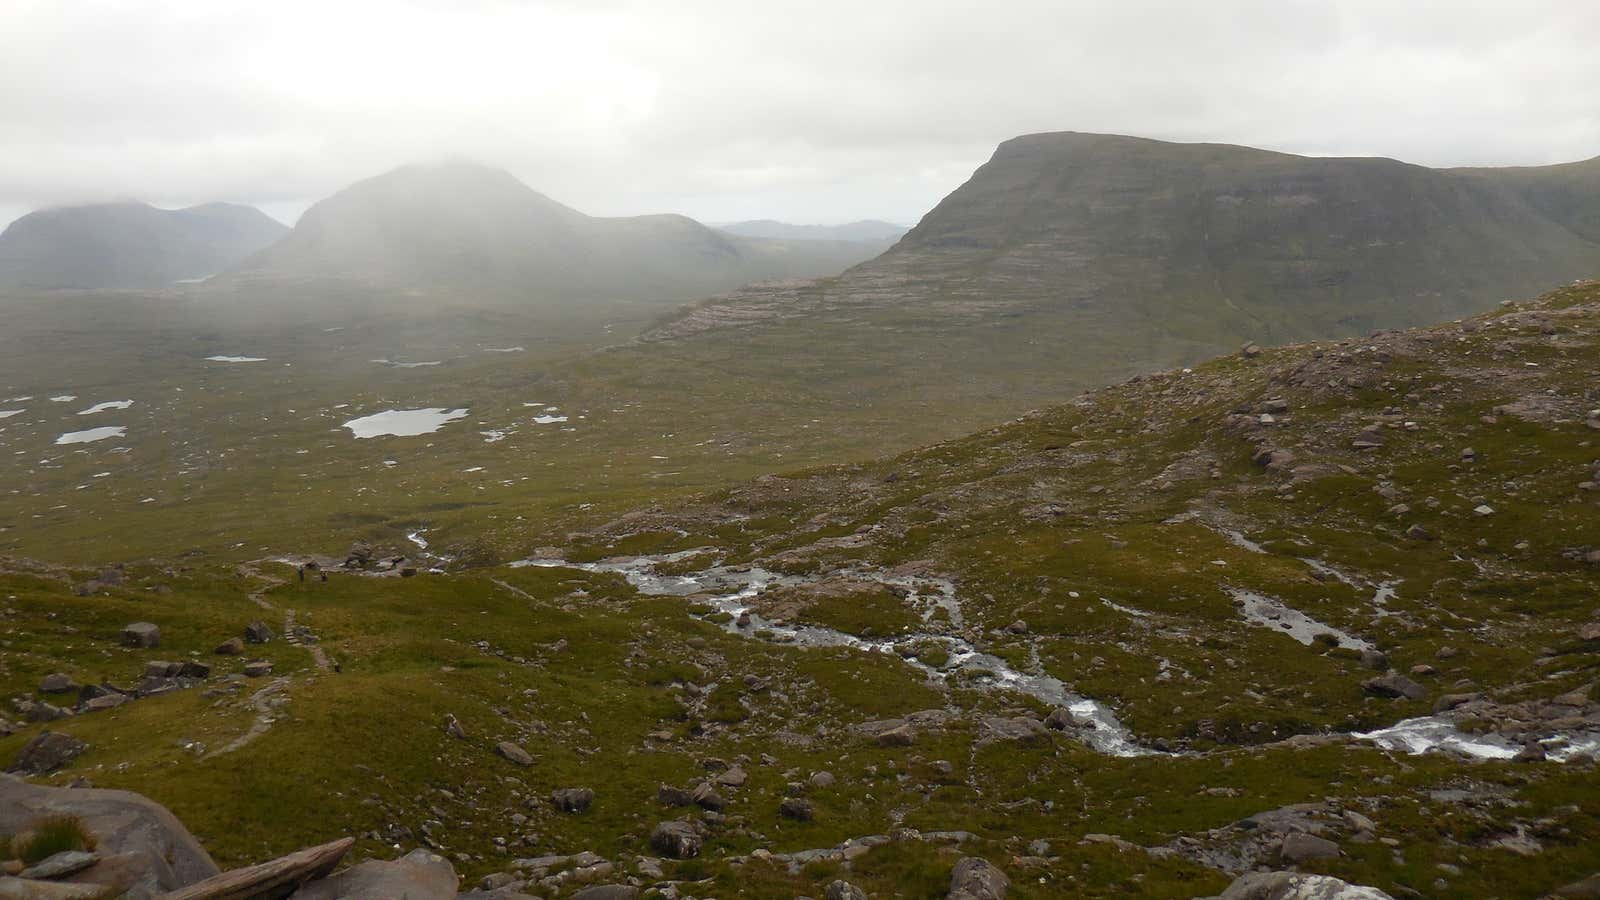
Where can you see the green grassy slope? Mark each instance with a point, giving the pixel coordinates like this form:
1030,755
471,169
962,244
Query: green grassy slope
1103,524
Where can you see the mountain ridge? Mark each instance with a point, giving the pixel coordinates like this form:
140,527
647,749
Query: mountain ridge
129,244
470,226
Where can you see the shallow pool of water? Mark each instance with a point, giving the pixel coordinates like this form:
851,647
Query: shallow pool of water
108,405
91,435
403,422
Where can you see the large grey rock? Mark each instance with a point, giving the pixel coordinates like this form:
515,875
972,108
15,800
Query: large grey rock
27,889
1587,888
797,808
901,736
1294,886
572,800
676,839
607,892
58,865
1020,729
143,848
257,633
57,683
1300,847
843,890
419,875
514,753
975,878
47,752
1393,685
277,878
141,634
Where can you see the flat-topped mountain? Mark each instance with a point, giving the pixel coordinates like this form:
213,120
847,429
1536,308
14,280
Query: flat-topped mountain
1071,260
477,228
1274,245
129,245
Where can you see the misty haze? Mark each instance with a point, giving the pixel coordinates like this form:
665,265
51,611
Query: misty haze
888,450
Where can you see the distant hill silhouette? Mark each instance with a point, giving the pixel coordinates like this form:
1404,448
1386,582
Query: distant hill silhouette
475,228
129,245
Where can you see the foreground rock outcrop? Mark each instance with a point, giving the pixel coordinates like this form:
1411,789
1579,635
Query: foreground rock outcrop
142,848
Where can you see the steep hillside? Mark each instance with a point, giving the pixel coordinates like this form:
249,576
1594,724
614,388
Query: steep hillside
128,245
479,229
1328,607
1069,260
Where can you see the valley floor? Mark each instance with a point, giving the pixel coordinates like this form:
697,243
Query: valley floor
1135,645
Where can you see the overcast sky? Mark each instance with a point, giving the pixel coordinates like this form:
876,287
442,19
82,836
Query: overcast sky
808,111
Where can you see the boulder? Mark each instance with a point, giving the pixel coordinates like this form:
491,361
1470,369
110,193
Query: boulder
25,889
975,878
230,647
797,809
607,892
257,633
1419,533
141,634
514,753
60,865
41,712
104,701
1294,886
142,848
572,800
1376,660
843,890
706,797
673,796
277,878
47,752
676,839
1588,888
1299,847
359,557
419,875
822,780
1394,686
902,736
1021,729
257,668
193,669
58,683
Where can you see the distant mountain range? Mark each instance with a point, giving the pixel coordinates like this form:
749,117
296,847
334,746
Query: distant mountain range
458,226
1069,259
868,230
129,245
470,227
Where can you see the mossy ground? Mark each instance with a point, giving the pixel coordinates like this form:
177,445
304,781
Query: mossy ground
1102,525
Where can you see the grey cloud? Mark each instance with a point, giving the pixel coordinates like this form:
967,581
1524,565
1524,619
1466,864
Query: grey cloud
809,111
